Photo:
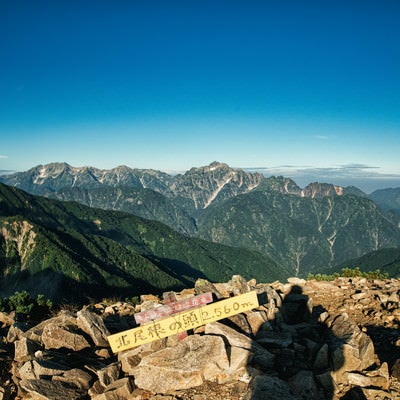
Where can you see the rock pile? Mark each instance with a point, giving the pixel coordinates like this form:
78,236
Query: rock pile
306,340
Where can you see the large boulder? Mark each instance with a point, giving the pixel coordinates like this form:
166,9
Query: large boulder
94,326
352,349
55,337
194,360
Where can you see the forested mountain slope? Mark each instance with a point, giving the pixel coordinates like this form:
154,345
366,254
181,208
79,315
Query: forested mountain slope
311,229
65,249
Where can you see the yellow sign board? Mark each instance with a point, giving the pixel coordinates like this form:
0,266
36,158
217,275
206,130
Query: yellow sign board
183,321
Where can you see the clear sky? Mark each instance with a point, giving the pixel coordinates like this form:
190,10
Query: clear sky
306,89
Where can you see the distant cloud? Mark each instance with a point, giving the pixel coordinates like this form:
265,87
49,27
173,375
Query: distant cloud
358,166
366,177
321,137
2,156
339,170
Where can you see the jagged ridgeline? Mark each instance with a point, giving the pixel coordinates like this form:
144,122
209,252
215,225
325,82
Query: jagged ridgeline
69,251
315,229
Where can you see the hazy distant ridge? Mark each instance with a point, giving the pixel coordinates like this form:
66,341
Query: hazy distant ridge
302,229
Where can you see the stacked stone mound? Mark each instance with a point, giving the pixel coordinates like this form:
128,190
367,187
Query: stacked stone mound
306,340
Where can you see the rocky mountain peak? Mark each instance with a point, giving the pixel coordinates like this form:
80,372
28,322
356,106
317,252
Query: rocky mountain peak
285,185
282,185
50,170
215,182
318,190
216,165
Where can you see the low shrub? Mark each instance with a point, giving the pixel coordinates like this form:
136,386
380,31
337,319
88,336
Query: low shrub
22,303
349,273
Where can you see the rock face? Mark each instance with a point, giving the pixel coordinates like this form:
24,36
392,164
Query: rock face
188,364
306,340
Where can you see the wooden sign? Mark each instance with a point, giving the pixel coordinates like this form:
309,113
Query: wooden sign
173,308
182,321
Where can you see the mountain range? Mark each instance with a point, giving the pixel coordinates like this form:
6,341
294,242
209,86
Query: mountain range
266,221
67,250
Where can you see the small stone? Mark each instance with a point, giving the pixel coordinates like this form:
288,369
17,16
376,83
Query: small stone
321,361
25,349
121,389
93,325
303,385
76,377
55,337
51,390
265,387
296,281
14,333
109,374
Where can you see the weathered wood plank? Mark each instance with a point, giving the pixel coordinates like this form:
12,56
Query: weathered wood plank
182,321
173,308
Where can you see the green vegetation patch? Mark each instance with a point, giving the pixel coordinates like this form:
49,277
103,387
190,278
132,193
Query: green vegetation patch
349,273
22,303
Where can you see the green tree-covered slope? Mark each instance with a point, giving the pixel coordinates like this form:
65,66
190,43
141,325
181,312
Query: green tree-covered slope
303,234
386,260
68,250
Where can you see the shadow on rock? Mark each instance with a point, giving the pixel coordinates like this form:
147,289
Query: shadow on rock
316,355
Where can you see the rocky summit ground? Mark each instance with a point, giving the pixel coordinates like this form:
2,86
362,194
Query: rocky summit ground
306,340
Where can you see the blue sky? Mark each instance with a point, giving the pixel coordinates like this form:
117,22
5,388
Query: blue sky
306,89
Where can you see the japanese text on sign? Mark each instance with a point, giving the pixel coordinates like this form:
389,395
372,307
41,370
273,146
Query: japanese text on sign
173,308
182,322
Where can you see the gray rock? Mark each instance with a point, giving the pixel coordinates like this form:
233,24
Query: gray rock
242,324
238,285
321,361
41,368
194,360
272,296
326,381
275,339
109,374
119,390
256,320
204,286
55,337
362,380
360,296
353,350
236,339
64,320
265,387
75,376
51,390
303,385
296,281
396,369
7,319
379,378
94,326
130,359
25,349
14,333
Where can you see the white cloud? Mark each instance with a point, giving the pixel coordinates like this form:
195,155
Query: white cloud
2,156
321,137
366,177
